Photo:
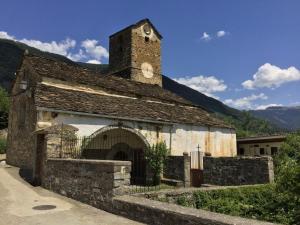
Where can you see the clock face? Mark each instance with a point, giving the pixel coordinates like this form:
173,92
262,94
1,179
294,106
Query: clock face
147,70
147,29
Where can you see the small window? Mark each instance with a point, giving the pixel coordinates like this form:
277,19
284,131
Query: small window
241,151
256,145
261,151
274,150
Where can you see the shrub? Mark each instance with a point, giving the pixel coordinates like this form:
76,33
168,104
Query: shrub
4,107
287,176
257,202
156,157
2,146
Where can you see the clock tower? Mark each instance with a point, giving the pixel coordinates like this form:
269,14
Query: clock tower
134,53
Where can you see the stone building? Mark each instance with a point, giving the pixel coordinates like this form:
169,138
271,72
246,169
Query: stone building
259,146
122,108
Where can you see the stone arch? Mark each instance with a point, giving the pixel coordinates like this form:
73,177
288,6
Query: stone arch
116,142
125,128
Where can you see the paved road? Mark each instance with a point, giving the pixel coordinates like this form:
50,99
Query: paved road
21,204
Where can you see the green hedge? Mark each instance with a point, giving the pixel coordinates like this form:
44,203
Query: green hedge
257,202
2,146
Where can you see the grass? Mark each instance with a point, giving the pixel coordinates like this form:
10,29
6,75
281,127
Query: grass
257,202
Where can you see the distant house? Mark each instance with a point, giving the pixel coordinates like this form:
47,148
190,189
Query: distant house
259,146
122,107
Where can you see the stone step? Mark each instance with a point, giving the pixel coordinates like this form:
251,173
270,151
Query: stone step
172,182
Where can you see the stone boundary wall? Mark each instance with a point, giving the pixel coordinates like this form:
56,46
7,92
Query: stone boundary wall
157,213
178,168
238,170
94,182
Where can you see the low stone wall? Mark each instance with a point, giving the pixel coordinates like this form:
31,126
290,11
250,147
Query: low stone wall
238,170
154,212
178,168
174,168
94,182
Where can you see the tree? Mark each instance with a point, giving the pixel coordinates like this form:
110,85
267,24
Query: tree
287,176
4,107
156,156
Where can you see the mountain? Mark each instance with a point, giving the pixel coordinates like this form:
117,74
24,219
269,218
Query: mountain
285,117
11,53
210,104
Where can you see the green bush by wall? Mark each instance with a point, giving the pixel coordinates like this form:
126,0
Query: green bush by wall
2,146
257,202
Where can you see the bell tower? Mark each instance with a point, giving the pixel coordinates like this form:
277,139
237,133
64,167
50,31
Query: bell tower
135,53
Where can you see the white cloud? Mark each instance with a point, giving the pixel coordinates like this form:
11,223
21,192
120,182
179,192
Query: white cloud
207,85
97,51
89,50
5,35
94,61
80,55
206,36
271,76
262,107
221,33
245,102
60,48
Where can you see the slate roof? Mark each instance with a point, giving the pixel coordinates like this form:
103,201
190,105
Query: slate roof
79,101
112,84
143,102
261,139
146,20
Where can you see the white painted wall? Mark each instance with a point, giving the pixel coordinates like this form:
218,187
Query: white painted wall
178,137
253,149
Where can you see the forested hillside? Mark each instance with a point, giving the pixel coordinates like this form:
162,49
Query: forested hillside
284,117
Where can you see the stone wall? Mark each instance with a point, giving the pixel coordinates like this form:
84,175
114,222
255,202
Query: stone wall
93,182
238,170
154,212
178,168
21,140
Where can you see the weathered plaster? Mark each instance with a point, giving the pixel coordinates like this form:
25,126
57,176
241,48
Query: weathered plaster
178,137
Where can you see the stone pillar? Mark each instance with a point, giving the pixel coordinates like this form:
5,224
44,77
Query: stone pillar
270,169
53,145
187,169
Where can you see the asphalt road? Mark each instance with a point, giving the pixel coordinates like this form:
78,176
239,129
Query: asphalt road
23,204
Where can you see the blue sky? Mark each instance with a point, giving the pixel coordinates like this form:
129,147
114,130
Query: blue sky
213,46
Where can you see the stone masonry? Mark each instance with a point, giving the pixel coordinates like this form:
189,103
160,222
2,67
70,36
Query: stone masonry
155,212
178,168
93,182
238,170
129,48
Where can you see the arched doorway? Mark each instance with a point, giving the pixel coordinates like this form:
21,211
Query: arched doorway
121,151
119,143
